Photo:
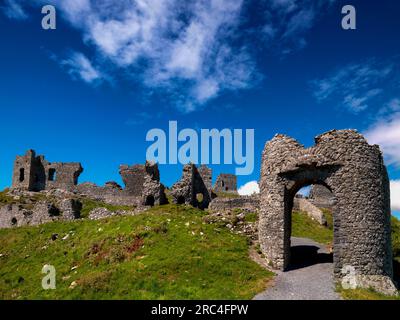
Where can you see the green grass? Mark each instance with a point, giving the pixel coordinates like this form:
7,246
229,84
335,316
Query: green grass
329,218
25,201
251,217
304,227
89,205
396,238
5,198
227,195
166,253
363,294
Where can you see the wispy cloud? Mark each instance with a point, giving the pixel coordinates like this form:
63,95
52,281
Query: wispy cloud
356,85
287,21
191,51
395,195
13,10
78,65
386,133
168,44
249,188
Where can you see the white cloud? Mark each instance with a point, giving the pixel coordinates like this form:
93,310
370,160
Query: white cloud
249,188
192,55
386,133
191,51
354,86
79,65
14,10
395,195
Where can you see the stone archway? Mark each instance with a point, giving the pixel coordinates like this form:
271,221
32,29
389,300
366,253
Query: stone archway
354,171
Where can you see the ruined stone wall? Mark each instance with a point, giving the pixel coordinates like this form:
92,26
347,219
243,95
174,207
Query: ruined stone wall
354,171
304,205
226,183
133,178
62,175
206,175
17,215
191,185
321,197
153,191
28,173
244,203
110,193
34,173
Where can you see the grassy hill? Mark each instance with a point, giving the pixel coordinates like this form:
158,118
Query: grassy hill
165,253
168,252
304,227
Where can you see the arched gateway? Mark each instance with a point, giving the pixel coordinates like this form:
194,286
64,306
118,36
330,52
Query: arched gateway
354,171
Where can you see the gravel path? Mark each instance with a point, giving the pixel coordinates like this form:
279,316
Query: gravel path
310,276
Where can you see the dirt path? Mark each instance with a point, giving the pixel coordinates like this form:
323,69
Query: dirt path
310,276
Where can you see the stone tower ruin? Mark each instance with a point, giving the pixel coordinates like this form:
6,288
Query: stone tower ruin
226,183
355,173
35,173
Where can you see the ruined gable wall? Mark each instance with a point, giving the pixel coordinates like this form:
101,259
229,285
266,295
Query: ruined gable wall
133,178
191,185
153,191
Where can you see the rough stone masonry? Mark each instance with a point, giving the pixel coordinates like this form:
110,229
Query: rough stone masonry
194,188
35,173
354,172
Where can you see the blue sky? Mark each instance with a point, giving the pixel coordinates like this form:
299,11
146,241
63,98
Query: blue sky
91,89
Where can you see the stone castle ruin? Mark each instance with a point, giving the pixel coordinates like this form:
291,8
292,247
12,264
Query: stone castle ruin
226,183
354,172
35,173
35,178
347,174
194,188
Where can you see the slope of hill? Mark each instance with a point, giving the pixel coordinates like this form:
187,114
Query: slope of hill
169,252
